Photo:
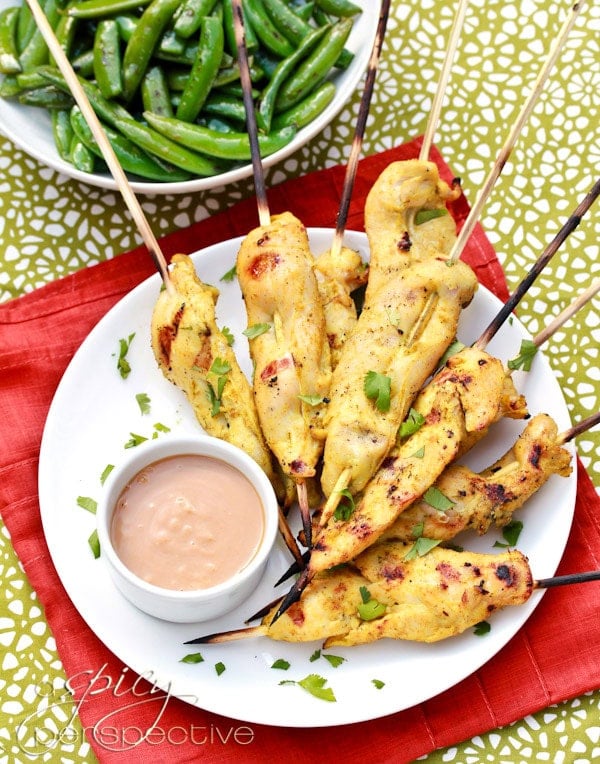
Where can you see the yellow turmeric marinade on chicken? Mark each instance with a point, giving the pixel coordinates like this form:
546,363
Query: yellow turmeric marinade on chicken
412,306
195,355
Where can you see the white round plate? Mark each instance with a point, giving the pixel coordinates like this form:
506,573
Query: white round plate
30,129
94,413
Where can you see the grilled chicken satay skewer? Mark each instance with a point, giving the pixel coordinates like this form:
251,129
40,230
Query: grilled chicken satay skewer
456,409
288,341
421,599
104,144
353,425
340,270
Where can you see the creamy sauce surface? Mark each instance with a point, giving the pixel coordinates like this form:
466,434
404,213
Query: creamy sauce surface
187,522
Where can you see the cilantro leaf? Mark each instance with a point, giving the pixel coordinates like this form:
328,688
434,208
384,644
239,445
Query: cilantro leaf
87,503
436,499
454,348
229,275
482,628
143,401
334,660
511,533
135,440
312,400
94,544
378,387
219,668
226,332
378,683
413,422
420,548
106,472
256,330
526,355
423,216
220,368
369,609
123,365
315,656
192,658
315,684
281,664
346,507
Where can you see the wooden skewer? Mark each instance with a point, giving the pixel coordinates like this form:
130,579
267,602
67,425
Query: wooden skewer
583,426
516,128
569,226
363,113
436,106
108,153
264,215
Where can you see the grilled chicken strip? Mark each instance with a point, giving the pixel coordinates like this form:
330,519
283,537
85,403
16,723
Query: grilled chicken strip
422,599
490,497
338,275
194,354
290,351
401,335
403,190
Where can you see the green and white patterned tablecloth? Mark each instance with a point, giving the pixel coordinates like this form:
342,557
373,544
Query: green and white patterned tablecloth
51,226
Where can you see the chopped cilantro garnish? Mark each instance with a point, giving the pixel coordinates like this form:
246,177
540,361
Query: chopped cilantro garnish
419,453
192,658
256,330
413,422
123,365
482,628
314,684
378,387
453,349
420,548
85,502
369,609
94,544
334,660
159,427
143,401
229,275
135,440
106,472
311,400
423,216
526,355
417,530
315,656
226,332
436,499
346,507
378,683
281,664
220,369
511,533
219,668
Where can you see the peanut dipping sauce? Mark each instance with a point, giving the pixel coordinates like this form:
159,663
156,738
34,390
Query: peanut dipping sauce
187,522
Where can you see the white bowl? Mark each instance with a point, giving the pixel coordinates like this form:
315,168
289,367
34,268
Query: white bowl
30,128
185,606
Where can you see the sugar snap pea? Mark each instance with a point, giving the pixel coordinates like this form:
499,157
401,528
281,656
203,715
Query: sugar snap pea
62,132
189,16
222,145
204,70
26,26
96,9
314,69
130,156
107,58
339,8
291,25
140,47
308,109
266,31
47,97
35,52
155,92
80,156
9,61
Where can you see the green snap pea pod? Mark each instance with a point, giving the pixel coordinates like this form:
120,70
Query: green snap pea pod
9,87
235,90
155,92
107,58
189,16
47,97
9,61
281,73
144,39
65,33
80,156
219,125
126,24
266,31
204,70
132,159
287,21
146,138
308,109
321,18
171,43
314,69
339,8
96,9
304,11
221,145
26,26
35,52
84,63
249,33
30,80
62,132
226,107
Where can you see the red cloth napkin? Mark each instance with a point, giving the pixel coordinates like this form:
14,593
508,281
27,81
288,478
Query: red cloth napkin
555,656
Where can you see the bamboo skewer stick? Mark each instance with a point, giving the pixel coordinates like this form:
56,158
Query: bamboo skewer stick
516,128
363,113
569,226
108,153
264,215
436,106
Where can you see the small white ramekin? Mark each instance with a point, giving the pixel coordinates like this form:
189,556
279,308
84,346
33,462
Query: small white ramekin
198,604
